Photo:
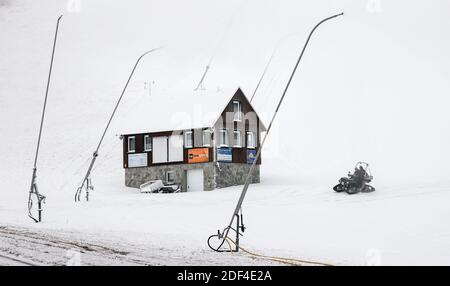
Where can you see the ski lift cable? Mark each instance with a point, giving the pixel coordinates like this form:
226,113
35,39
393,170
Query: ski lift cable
86,184
224,234
33,187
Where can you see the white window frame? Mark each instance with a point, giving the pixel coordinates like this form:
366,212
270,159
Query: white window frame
128,143
167,177
221,143
253,146
239,145
237,115
145,143
206,132
185,139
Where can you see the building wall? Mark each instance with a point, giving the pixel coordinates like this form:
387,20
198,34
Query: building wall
234,174
250,122
214,175
134,177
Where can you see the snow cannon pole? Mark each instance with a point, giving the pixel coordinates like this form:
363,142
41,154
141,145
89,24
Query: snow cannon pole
263,74
223,236
33,187
86,184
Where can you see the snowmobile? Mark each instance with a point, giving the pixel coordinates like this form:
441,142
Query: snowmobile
357,181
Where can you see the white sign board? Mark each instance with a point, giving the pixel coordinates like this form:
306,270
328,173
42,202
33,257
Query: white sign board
137,160
224,155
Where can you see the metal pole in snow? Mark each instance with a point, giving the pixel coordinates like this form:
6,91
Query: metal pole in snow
33,187
86,184
262,75
225,232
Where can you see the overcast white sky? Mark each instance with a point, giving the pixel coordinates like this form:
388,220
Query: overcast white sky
373,85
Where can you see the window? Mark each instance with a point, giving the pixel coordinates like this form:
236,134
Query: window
175,144
188,139
147,143
170,177
206,137
237,110
131,144
160,154
237,138
251,140
223,137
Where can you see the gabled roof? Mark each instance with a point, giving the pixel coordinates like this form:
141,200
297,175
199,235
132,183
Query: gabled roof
171,112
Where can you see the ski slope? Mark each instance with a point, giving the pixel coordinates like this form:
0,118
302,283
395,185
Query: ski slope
392,97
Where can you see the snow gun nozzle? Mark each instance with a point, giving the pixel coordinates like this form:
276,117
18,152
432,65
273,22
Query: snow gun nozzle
337,15
152,50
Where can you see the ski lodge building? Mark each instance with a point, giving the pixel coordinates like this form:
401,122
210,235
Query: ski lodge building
199,141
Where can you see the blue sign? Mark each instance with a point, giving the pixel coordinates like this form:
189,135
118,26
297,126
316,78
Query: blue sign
251,156
224,154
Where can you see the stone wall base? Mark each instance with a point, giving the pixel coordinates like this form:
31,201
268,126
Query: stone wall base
234,174
215,175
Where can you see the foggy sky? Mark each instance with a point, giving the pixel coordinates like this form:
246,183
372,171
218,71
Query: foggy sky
373,84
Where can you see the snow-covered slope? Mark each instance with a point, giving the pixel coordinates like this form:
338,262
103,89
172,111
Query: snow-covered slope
370,88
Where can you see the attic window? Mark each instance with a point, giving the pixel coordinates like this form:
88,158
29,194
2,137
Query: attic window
237,111
131,144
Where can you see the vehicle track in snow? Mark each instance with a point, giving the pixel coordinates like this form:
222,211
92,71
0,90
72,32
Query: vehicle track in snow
34,247
44,249
6,260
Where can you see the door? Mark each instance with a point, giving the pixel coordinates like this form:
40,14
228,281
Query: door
195,180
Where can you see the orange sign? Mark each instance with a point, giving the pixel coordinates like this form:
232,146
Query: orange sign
198,155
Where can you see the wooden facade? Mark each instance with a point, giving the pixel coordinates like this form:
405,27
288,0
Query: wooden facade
239,154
